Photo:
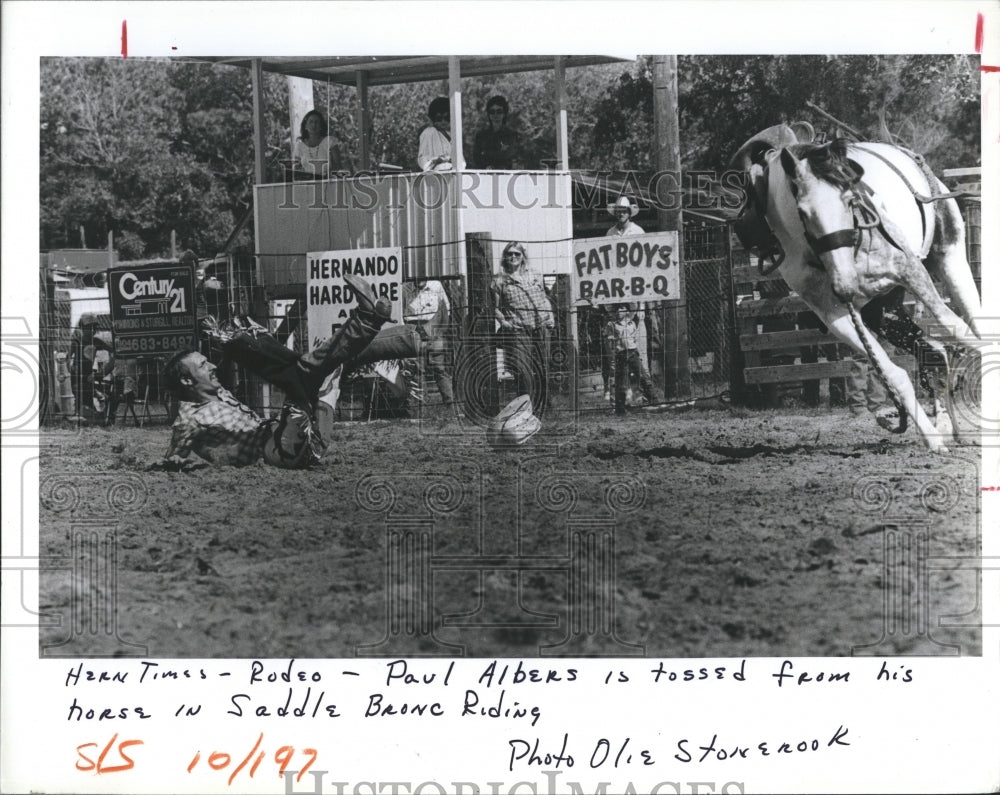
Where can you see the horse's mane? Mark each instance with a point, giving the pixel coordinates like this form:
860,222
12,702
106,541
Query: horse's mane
829,162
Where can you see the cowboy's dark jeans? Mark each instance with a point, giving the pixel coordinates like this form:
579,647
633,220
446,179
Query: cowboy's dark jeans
264,356
300,377
392,342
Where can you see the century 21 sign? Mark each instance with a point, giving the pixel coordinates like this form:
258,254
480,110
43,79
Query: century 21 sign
152,309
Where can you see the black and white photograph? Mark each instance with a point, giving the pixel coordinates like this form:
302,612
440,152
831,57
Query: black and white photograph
446,392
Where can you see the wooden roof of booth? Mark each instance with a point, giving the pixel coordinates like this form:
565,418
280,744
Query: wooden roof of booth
366,71
394,69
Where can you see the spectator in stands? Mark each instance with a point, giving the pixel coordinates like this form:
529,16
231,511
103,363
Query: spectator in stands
426,308
212,423
495,145
312,149
623,331
524,316
434,152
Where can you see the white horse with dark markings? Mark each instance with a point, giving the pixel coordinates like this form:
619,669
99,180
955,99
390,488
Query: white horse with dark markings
854,221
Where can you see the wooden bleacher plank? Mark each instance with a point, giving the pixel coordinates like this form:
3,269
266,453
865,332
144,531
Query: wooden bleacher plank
779,373
771,340
763,307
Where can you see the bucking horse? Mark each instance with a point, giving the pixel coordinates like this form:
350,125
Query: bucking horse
851,226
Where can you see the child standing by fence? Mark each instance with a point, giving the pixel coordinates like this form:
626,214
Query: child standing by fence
624,334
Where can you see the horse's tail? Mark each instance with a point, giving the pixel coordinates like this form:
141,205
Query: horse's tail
948,261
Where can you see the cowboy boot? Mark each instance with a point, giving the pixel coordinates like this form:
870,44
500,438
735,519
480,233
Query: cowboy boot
354,336
370,309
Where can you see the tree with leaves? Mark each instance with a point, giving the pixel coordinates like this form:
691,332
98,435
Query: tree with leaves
140,147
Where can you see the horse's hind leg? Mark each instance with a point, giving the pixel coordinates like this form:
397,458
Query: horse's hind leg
947,262
887,317
952,327
897,379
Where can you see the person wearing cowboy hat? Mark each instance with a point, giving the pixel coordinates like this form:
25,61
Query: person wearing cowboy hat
623,211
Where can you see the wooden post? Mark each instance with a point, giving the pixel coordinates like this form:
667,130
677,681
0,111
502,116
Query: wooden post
676,373
737,385
111,249
257,84
455,90
479,347
259,306
562,127
364,121
453,183
173,244
83,237
300,102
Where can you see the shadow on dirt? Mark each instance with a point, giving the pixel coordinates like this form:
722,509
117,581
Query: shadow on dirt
730,454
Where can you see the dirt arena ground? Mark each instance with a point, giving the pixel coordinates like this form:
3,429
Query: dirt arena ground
763,533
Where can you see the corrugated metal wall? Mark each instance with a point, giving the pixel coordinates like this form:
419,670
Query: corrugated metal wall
428,215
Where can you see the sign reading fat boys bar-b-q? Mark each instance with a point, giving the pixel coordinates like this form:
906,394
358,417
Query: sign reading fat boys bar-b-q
612,270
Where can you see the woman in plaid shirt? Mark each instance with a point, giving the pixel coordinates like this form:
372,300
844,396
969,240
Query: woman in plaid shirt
524,314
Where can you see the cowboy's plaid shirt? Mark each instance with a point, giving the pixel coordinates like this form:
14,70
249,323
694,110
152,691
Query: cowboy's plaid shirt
222,431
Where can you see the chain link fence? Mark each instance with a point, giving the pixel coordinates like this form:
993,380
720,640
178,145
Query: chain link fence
687,343
686,347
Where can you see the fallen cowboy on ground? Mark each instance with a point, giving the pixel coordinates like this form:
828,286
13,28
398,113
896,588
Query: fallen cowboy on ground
213,424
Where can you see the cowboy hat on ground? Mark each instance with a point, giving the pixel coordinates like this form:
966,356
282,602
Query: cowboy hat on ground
514,425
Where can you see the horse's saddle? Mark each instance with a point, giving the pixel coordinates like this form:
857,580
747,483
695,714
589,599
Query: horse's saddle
751,226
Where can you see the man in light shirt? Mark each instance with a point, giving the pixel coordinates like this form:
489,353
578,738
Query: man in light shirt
623,211
427,309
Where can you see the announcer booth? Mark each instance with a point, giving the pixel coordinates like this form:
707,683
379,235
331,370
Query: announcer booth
450,226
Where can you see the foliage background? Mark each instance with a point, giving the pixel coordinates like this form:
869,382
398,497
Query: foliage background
143,147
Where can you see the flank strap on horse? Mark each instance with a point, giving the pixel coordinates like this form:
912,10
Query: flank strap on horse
921,199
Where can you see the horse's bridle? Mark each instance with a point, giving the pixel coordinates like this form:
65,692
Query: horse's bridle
866,217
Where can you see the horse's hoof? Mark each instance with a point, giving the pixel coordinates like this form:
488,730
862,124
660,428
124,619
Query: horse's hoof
888,420
944,425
